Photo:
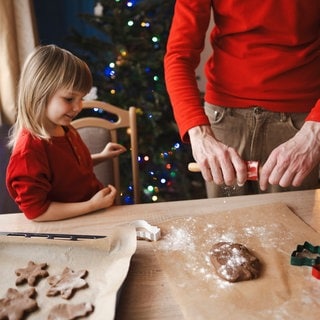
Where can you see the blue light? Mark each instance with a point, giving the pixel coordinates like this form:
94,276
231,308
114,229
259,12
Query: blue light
128,200
109,72
98,110
131,3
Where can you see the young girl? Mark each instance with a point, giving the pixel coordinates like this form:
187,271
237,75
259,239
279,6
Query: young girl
50,172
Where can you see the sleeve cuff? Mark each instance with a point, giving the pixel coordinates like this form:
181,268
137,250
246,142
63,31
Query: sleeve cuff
314,114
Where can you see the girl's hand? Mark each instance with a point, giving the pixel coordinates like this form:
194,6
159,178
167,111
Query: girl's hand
104,198
112,150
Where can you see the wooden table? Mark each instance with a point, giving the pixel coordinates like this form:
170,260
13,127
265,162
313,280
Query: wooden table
146,294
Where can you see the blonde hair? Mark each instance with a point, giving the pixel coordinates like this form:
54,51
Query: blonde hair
46,70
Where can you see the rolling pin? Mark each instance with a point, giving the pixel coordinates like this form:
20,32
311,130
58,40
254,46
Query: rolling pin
252,169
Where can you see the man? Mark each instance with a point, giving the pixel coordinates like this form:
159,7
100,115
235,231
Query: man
262,92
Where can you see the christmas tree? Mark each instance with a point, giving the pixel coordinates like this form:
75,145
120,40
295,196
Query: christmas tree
126,59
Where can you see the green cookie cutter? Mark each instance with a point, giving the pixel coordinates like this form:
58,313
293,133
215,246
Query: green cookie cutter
306,255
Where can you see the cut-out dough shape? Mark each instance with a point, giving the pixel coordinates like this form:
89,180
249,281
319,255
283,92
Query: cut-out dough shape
17,304
65,311
66,283
31,273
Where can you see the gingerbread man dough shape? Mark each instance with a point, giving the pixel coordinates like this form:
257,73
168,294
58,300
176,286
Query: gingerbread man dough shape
70,311
31,273
66,283
16,304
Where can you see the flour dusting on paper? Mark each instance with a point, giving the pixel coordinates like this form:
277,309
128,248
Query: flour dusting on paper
178,239
270,232
193,239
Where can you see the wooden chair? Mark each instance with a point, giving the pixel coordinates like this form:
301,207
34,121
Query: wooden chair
7,205
96,132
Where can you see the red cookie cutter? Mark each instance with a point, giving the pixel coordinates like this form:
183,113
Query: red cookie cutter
253,170
316,271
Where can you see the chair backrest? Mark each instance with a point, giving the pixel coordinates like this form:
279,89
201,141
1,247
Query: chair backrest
7,205
96,132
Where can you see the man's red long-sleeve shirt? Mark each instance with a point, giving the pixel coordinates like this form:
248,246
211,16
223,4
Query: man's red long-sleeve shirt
265,53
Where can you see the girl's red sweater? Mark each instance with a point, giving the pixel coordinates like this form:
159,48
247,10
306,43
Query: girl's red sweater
265,53
40,172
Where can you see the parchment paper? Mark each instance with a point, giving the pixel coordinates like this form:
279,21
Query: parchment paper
271,232
106,260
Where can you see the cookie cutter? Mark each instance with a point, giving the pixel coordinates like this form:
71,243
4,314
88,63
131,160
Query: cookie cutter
316,271
252,170
307,255
146,231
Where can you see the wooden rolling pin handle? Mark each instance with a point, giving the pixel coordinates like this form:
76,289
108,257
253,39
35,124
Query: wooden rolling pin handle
252,168
193,167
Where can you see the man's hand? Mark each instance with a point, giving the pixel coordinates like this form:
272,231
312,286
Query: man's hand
217,162
293,160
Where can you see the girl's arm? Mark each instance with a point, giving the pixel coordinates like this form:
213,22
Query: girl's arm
59,210
111,150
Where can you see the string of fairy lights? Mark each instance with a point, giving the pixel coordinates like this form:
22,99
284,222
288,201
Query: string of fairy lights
158,177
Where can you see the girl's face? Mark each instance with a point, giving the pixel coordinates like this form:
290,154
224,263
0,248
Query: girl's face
61,109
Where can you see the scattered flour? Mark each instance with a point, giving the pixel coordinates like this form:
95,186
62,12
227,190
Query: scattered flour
178,240
183,237
193,238
270,237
